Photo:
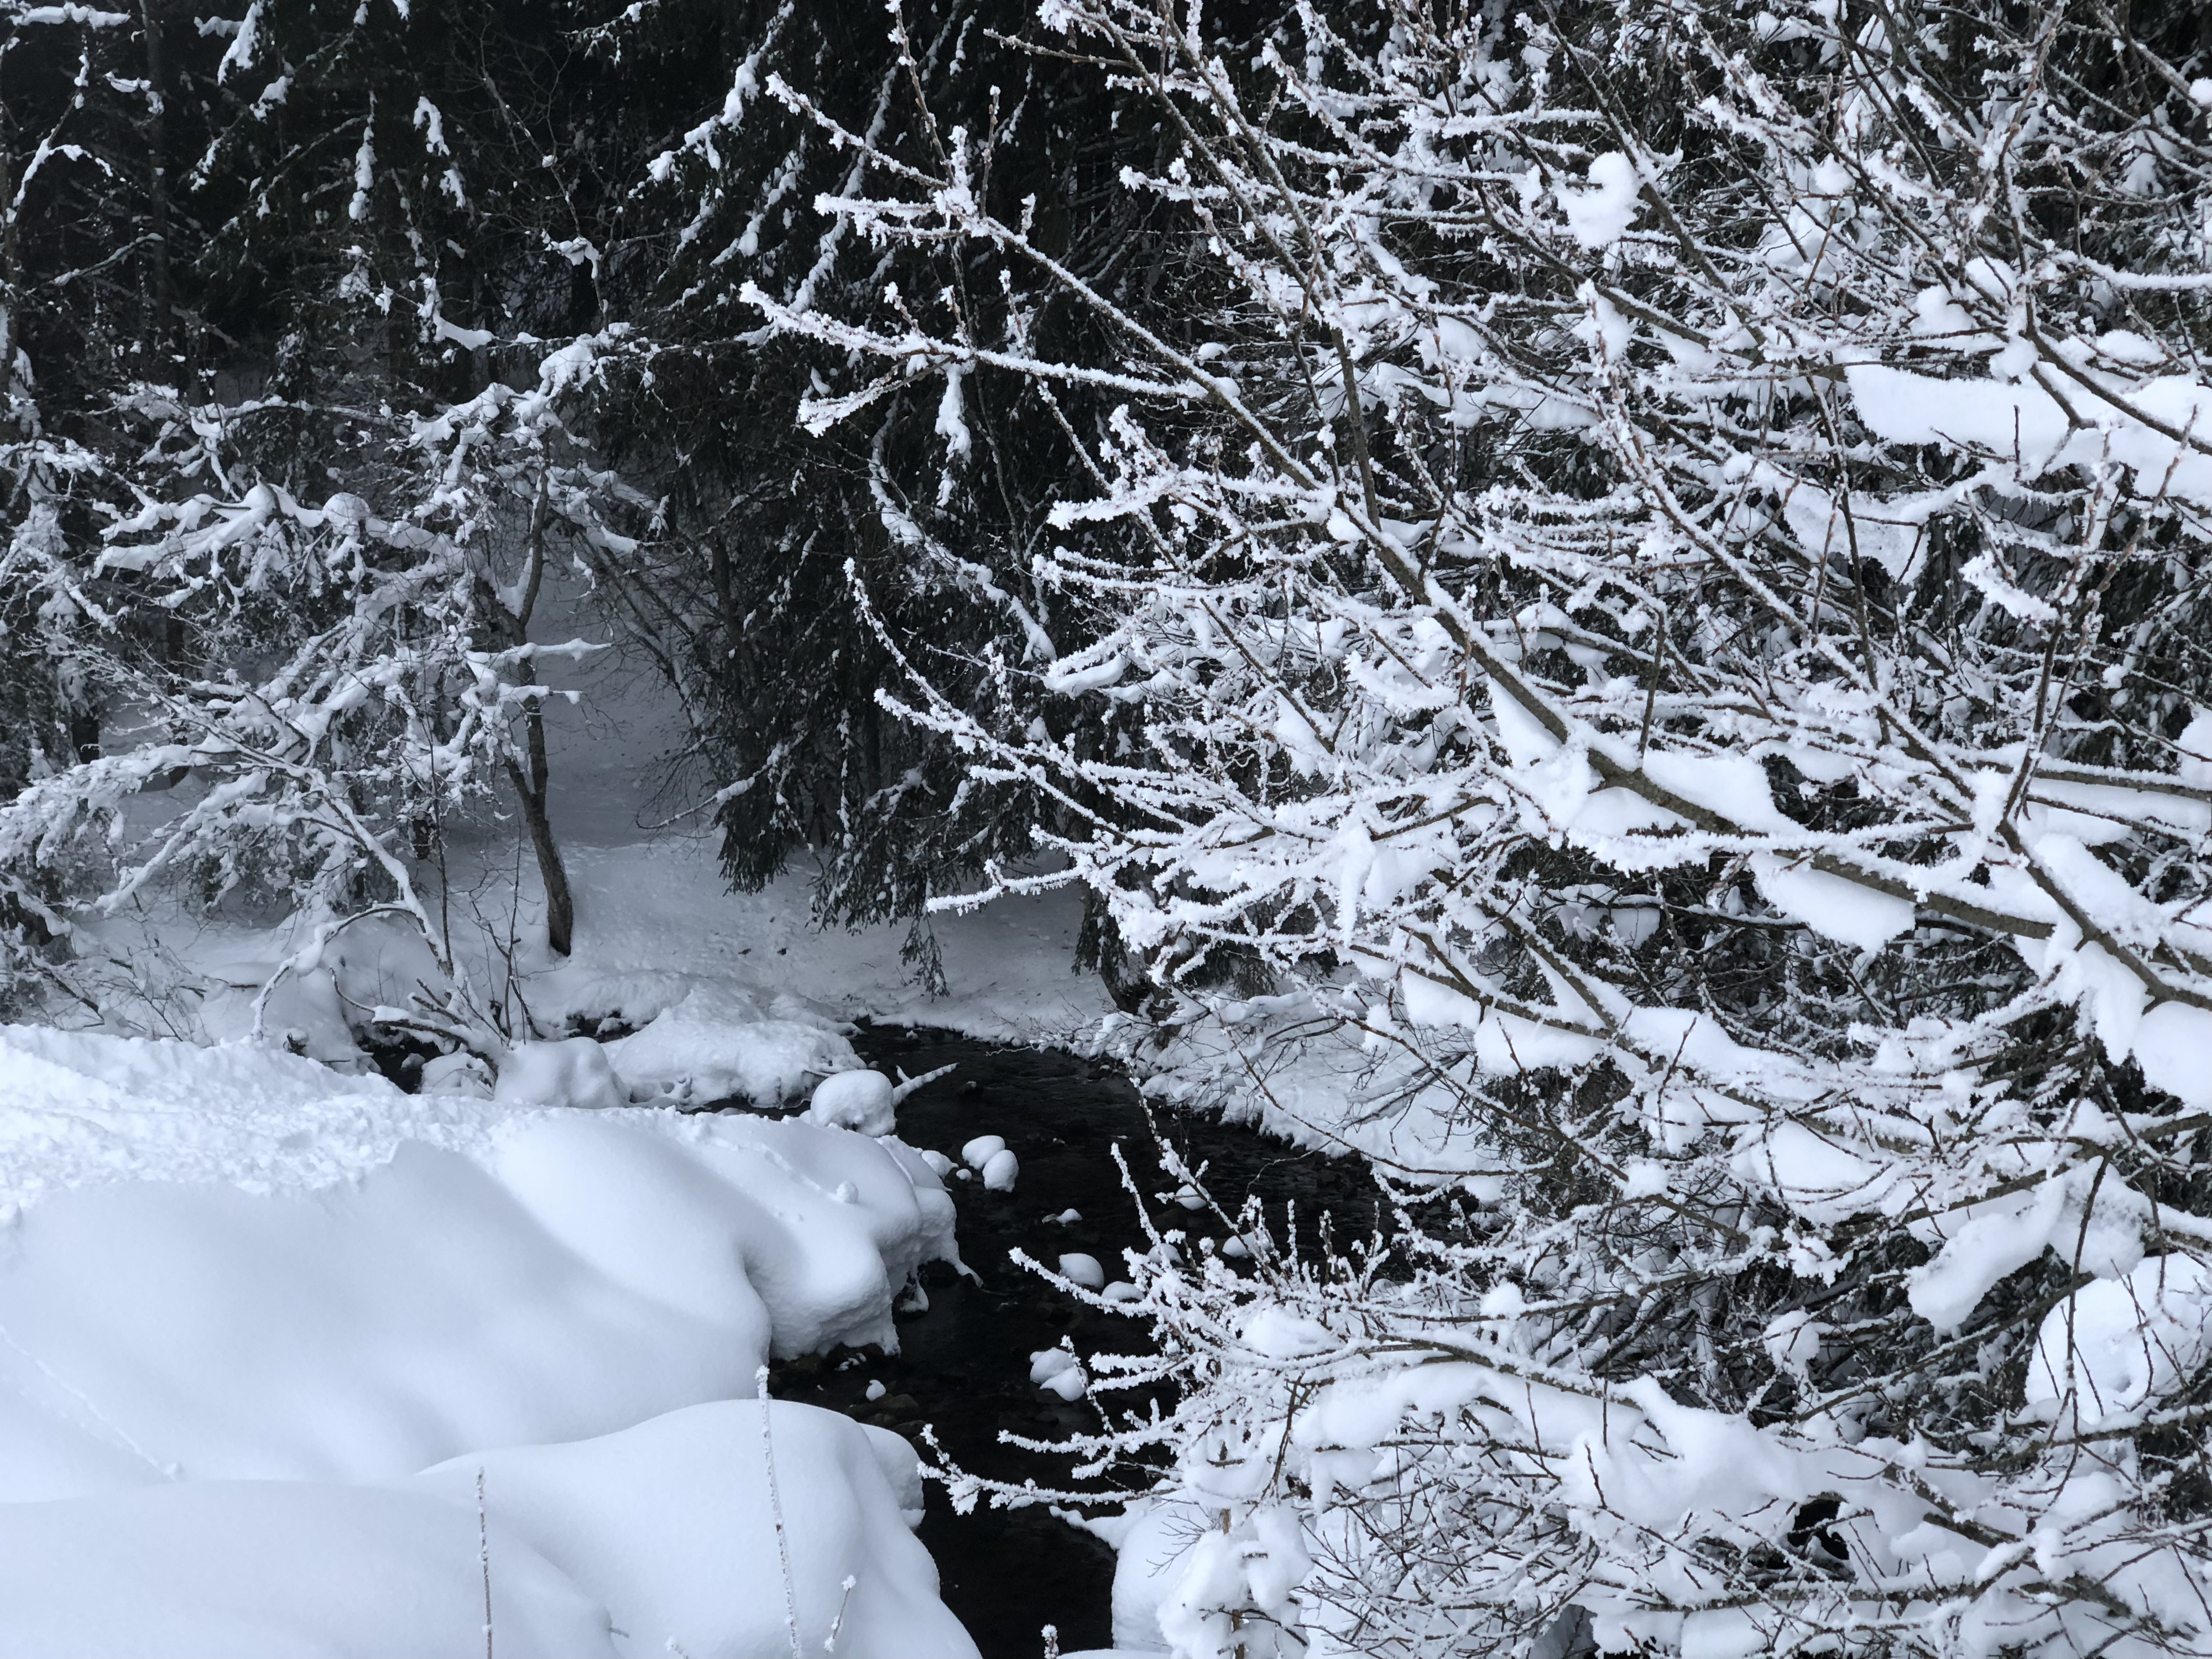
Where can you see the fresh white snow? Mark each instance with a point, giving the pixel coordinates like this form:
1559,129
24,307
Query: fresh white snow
1079,1268
614,1546
261,1323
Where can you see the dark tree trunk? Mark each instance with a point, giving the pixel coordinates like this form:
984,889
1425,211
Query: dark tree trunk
552,873
163,335
530,783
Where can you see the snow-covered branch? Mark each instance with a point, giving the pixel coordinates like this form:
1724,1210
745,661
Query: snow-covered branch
1661,633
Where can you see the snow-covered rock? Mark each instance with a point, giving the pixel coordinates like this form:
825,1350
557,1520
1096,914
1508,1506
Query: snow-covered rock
863,1101
987,1156
573,1072
1084,1270
459,1073
1058,1371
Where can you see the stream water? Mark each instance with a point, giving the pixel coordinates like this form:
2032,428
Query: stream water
963,1366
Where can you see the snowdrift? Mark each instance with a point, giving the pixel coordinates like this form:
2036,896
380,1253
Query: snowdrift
222,1395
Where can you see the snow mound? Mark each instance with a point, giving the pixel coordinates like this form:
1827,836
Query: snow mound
210,1385
458,1073
715,1043
609,1547
2117,1345
863,1102
867,1102
574,1072
579,1275
332,975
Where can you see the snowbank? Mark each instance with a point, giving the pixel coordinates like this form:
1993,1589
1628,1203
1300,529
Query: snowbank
718,1043
215,1389
609,1547
672,1525
76,1109
277,1570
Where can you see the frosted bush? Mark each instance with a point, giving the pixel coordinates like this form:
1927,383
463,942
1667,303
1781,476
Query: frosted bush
1649,571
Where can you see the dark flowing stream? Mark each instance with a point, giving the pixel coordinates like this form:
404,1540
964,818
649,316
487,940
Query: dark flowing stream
964,1365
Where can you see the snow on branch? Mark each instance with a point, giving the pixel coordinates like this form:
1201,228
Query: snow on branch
1664,628
336,681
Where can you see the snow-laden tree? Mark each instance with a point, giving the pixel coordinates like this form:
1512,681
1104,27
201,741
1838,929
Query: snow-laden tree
283,526
338,680
1658,577
746,600
87,305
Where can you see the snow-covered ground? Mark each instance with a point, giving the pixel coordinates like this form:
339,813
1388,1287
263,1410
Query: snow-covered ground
659,936
262,1324
654,918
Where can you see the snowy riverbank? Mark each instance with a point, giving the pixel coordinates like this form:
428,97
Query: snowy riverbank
262,1323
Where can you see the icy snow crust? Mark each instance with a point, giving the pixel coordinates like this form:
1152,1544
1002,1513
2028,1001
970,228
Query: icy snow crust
220,1391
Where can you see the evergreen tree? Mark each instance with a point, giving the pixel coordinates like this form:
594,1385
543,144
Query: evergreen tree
803,565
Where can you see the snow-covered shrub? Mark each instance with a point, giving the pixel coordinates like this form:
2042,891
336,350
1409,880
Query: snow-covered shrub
1660,568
